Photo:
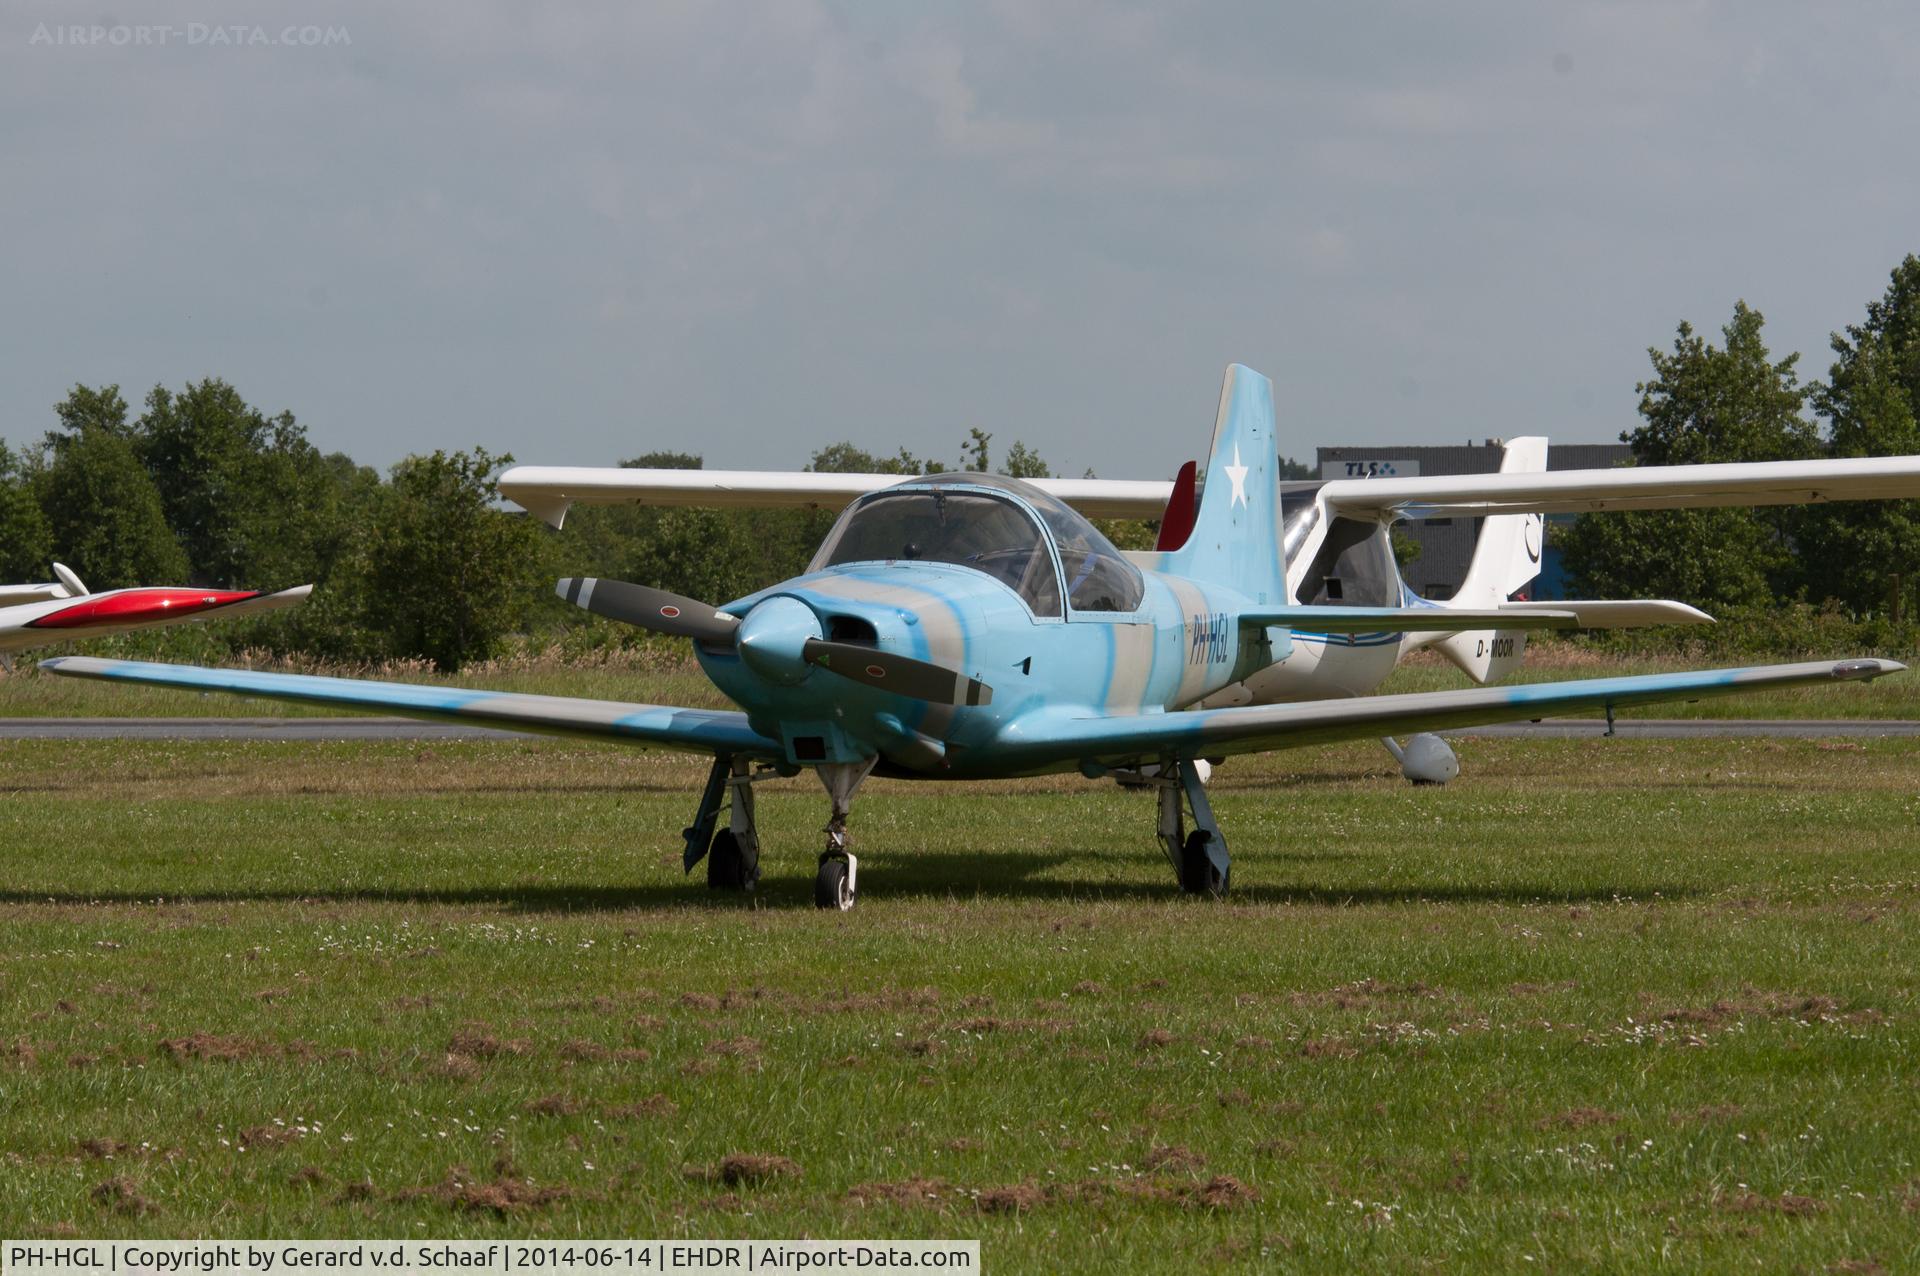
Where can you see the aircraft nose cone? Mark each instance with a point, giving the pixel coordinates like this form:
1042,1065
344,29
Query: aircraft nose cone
773,636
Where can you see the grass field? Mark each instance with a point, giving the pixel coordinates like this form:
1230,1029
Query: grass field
1599,1004
665,674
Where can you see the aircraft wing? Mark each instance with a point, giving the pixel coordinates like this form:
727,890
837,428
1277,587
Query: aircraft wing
1651,487
12,594
548,491
1197,733
688,730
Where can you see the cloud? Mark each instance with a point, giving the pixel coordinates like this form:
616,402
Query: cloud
580,233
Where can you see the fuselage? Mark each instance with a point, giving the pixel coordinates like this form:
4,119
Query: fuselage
1182,644
1335,561
39,624
1022,620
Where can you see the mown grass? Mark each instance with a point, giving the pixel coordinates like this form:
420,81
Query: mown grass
1599,1004
664,673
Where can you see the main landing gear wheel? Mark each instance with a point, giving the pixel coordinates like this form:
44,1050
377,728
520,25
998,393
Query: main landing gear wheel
1199,858
727,866
1198,876
833,884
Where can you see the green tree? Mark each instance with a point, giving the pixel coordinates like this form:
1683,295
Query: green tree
1405,547
253,503
1704,404
86,408
26,541
439,572
845,458
974,455
1870,403
665,461
1024,463
712,554
100,505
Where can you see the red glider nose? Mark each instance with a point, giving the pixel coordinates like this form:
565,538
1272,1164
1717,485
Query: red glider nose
131,606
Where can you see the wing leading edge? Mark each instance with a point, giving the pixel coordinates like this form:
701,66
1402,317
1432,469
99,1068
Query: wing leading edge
662,726
1218,732
1648,487
548,491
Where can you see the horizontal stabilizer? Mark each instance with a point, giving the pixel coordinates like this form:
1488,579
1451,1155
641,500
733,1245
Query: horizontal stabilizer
1370,620
1622,613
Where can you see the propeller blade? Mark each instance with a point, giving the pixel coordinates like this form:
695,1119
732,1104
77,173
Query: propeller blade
648,608
902,675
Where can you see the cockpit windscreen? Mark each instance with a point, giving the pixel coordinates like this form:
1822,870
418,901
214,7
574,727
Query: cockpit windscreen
969,529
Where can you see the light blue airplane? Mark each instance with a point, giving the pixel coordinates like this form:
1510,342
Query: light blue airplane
971,627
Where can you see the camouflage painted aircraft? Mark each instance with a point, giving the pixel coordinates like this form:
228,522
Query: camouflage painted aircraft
971,627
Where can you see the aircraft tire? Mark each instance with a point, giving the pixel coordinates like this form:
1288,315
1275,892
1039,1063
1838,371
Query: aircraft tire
726,866
1197,874
831,888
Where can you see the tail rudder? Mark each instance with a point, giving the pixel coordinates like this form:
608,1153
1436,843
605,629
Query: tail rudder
1235,539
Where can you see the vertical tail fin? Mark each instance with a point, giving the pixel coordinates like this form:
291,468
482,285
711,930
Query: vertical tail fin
1235,539
1505,560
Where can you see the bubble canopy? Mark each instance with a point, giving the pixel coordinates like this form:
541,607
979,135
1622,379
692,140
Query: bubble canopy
975,521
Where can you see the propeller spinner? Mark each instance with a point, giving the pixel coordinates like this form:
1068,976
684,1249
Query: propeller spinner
778,638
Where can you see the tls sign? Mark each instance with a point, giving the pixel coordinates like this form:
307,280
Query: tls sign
1369,468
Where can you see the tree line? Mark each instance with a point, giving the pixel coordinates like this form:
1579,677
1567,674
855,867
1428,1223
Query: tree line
422,562
202,488
1736,402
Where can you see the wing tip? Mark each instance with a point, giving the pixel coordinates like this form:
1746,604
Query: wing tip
1866,670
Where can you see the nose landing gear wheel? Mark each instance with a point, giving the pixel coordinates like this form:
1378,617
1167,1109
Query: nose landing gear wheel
833,884
1198,876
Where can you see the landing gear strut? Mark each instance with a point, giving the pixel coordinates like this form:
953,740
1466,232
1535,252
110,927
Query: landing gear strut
835,886
732,854
1199,858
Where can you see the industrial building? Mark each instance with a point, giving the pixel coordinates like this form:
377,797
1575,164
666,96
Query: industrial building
1446,544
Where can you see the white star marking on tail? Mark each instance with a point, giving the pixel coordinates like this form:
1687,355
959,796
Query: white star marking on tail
1237,475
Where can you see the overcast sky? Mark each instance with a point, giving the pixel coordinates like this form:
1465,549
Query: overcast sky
747,230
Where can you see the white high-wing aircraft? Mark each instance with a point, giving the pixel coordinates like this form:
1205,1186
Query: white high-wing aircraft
1334,542
62,610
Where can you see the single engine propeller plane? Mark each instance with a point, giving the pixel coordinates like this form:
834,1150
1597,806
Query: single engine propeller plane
967,626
